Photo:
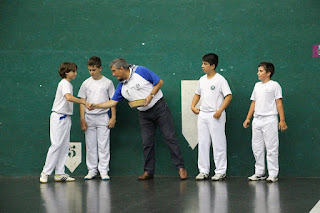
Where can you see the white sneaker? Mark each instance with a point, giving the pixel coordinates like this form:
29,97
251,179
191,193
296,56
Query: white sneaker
43,178
105,177
202,176
272,179
89,176
256,177
63,178
218,176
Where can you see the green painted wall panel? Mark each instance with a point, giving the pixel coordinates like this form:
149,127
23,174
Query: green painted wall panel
36,36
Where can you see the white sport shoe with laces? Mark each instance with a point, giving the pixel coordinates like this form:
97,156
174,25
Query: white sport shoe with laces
218,176
272,179
257,177
105,177
63,178
43,178
89,176
202,176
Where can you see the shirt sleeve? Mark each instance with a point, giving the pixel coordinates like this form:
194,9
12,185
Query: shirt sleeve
111,90
117,94
277,91
66,87
198,90
225,89
148,75
253,97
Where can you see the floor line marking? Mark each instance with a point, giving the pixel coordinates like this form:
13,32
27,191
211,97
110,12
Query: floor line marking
316,208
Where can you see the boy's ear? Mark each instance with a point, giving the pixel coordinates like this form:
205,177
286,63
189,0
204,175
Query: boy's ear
213,66
268,74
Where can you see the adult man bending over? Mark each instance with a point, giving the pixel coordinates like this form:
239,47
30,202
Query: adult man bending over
138,82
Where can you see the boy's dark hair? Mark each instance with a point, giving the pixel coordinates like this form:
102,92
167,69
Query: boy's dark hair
211,58
67,67
269,67
119,62
94,61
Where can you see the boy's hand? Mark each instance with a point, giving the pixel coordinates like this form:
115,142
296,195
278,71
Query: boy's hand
195,110
283,126
246,123
91,107
87,105
84,125
111,123
217,114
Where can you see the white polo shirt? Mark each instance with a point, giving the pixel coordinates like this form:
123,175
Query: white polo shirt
96,91
212,92
138,86
265,96
60,103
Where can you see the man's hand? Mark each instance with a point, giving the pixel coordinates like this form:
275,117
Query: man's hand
148,100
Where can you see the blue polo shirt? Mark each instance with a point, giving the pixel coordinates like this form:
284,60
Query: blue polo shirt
138,86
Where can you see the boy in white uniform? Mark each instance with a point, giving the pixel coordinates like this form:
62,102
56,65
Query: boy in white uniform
266,104
60,125
96,123
215,96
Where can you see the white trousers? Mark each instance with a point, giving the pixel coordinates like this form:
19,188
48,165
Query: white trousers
97,143
212,131
265,137
59,149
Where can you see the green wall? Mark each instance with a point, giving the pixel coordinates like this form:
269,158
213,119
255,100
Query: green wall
36,36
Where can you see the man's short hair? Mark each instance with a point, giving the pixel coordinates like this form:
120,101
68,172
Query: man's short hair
269,67
211,58
67,67
119,62
94,61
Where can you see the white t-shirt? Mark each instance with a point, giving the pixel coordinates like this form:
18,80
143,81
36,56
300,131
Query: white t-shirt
265,96
60,104
96,91
212,92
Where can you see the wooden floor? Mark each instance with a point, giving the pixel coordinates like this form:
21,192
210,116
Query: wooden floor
162,194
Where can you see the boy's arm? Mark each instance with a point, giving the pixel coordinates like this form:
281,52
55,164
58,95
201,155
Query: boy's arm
282,124
83,123
195,100
73,99
224,105
250,113
112,120
154,91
